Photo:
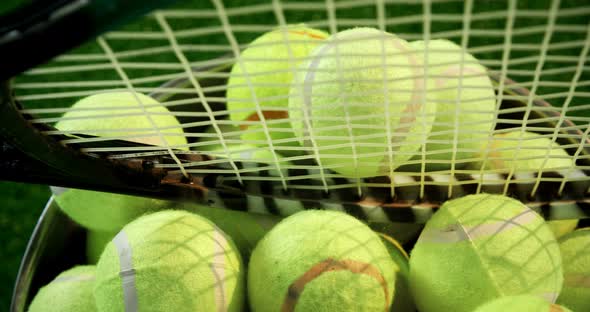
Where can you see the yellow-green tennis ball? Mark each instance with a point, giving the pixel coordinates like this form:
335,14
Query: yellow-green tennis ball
480,247
526,152
402,301
103,114
95,243
473,104
263,75
562,227
575,251
245,229
170,261
357,103
522,303
70,291
96,115
106,212
321,261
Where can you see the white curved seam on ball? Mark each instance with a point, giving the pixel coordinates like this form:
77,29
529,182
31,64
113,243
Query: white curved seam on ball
451,236
454,70
312,69
307,88
408,115
467,237
220,245
415,102
75,278
550,296
127,272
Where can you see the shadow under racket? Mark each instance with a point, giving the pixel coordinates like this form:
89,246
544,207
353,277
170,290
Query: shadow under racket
146,173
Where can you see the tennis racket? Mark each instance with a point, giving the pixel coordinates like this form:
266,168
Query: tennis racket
182,56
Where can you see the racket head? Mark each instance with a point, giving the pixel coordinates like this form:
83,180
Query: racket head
230,185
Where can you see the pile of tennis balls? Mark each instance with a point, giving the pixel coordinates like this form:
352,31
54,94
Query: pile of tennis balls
364,103
477,253
357,100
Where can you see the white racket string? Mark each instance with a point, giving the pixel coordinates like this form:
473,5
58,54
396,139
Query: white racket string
183,57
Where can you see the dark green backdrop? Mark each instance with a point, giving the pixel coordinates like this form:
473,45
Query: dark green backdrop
20,205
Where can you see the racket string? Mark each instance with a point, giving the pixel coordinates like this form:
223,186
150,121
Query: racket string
175,46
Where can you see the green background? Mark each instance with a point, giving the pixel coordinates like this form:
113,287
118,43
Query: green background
20,205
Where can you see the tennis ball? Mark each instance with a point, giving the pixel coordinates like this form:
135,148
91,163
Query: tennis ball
402,301
95,243
575,251
319,260
525,152
265,70
245,229
170,261
70,291
102,114
562,227
480,247
522,303
105,212
358,103
473,105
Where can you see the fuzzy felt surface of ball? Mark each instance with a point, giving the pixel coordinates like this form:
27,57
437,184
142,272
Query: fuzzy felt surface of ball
522,303
356,104
70,291
321,261
562,227
124,115
524,152
262,75
466,104
402,300
170,261
131,116
480,247
105,212
575,251
245,229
